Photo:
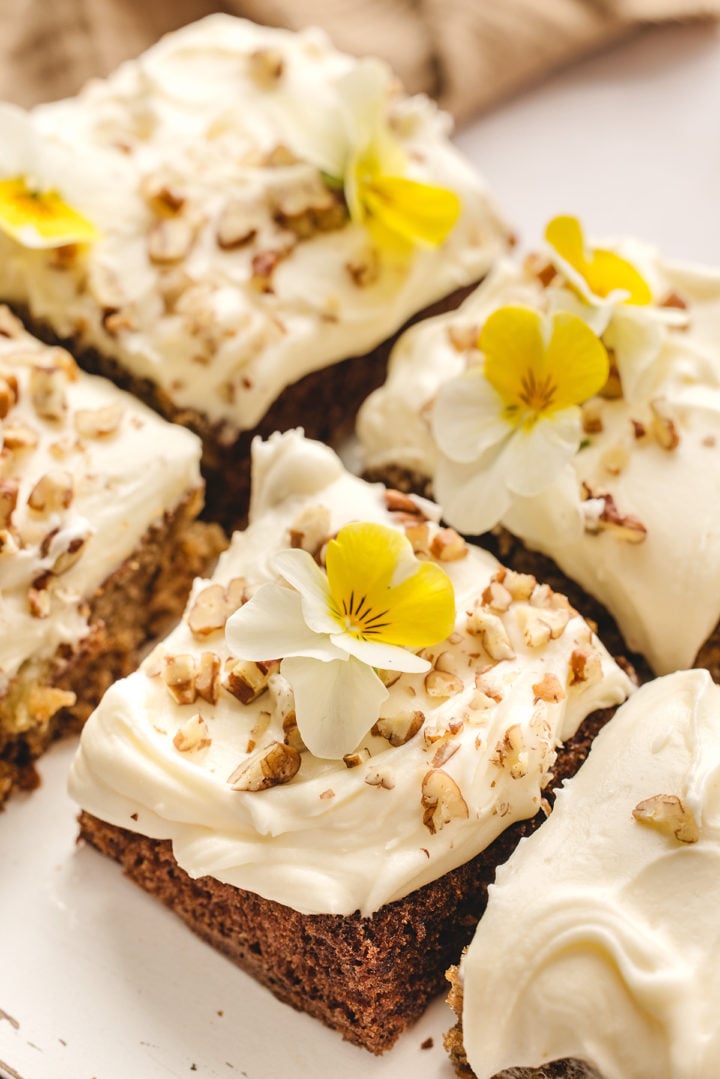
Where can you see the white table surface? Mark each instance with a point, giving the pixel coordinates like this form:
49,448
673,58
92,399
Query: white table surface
97,980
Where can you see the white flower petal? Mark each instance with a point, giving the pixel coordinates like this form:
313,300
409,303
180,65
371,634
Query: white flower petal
271,625
389,657
473,496
363,101
596,315
467,417
336,704
18,145
537,456
301,571
637,342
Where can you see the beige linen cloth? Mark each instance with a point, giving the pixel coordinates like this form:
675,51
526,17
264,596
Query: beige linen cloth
465,53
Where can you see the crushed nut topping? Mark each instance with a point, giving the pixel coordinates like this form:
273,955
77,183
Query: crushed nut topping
9,393
247,680
663,427
178,674
237,224
441,800
360,756
193,735
491,631
207,677
265,67
592,421
496,597
19,436
602,515
47,391
272,766
400,728
9,490
213,606
667,813
53,491
540,625
170,239
549,689
585,667
442,684
511,752
380,777
448,546
98,422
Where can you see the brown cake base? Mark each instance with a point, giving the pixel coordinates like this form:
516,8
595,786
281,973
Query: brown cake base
367,978
140,600
324,403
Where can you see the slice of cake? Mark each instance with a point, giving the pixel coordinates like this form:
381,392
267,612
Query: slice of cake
433,689
97,543
575,399
264,207
598,948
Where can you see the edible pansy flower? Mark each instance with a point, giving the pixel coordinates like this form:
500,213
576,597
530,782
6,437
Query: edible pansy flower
616,301
373,605
595,272
351,141
508,427
33,175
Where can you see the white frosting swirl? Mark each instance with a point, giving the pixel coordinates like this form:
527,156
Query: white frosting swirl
122,482
191,114
601,934
674,493
336,839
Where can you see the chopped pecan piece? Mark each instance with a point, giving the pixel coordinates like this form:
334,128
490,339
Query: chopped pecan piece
170,239
193,735
549,689
585,666
237,224
491,631
667,813
663,427
9,393
98,422
441,800
310,529
53,491
207,677
448,546
247,679
399,729
179,676
442,684
213,606
47,391
270,767
9,490
19,436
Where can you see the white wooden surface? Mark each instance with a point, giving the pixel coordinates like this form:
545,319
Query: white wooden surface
97,981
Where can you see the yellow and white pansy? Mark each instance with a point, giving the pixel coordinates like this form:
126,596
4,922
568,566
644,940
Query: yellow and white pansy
347,135
616,300
36,178
507,427
374,604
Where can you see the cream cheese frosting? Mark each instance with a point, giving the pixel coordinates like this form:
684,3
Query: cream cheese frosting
601,933
84,471
661,554
360,832
225,269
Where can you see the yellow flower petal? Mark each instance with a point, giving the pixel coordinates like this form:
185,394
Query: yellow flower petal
419,213
512,342
564,233
363,562
575,361
604,271
40,219
536,380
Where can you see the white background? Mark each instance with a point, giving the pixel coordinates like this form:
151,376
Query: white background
97,980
